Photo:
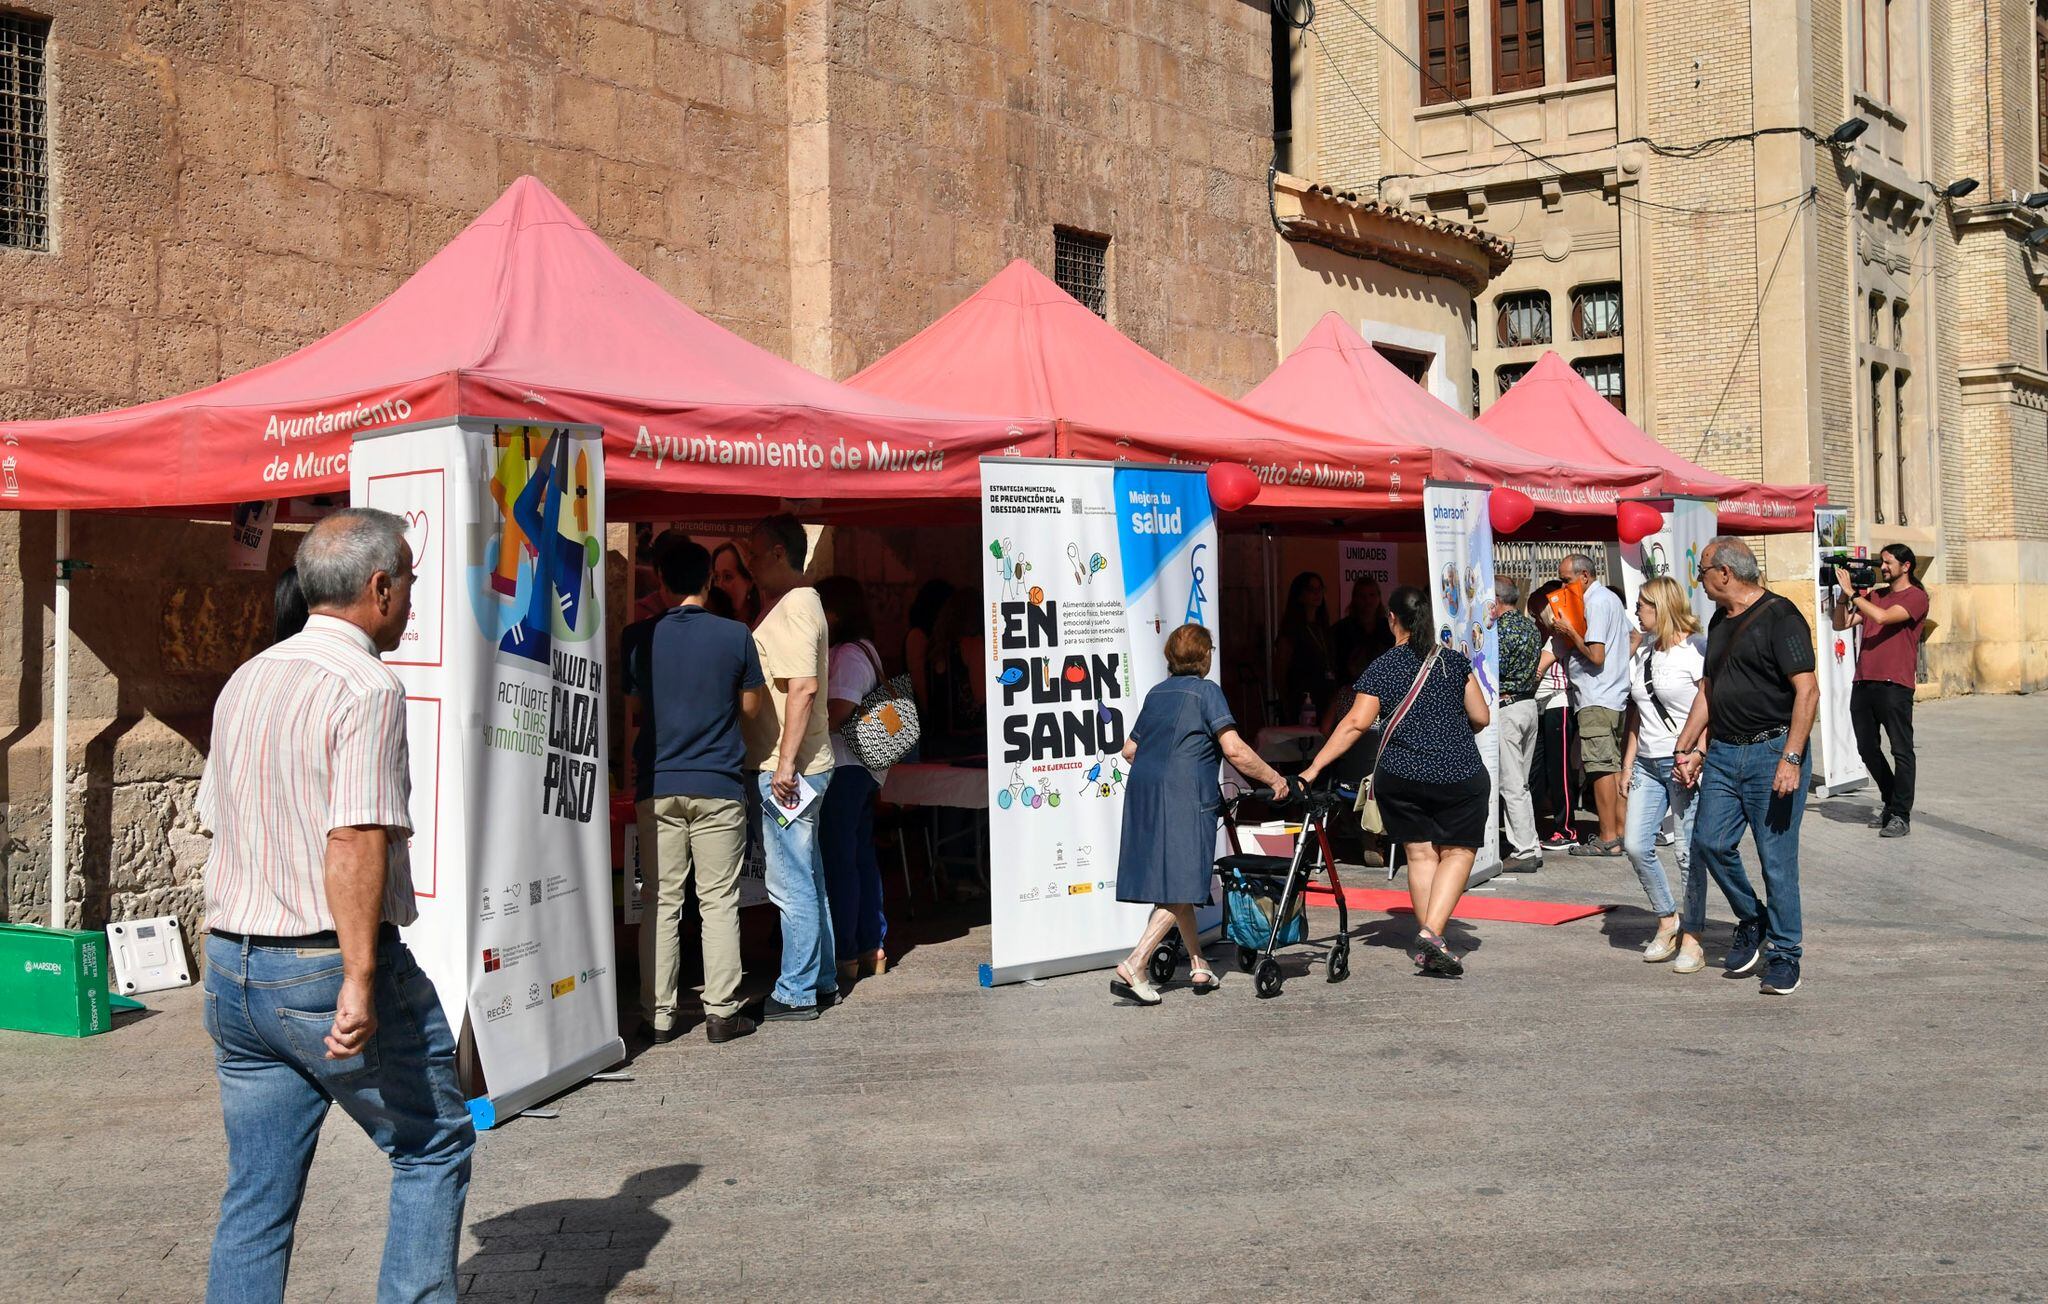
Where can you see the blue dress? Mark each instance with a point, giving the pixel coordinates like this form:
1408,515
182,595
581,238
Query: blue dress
1171,800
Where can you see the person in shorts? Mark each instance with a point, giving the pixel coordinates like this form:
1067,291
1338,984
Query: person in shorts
1596,663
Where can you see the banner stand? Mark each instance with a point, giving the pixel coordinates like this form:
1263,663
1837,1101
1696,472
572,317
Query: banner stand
1458,533
1837,765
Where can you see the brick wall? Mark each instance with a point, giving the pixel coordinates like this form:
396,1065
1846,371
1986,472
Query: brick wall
1346,63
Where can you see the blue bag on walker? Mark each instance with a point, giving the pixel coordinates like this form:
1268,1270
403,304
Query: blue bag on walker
1248,905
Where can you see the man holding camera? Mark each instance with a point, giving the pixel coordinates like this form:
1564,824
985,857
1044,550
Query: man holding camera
1892,612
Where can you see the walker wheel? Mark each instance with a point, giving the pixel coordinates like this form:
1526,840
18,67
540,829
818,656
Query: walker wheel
1246,959
1268,978
1162,965
1340,959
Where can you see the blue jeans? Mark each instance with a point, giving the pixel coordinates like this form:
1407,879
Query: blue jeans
1735,794
269,1011
1652,790
796,884
853,876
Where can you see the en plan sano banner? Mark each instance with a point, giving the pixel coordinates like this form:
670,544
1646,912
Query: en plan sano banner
504,672
1837,766
1459,534
1674,551
1090,565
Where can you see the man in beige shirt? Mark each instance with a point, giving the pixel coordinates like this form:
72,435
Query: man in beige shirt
788,744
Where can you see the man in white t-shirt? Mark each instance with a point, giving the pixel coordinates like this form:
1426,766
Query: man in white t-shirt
1596,663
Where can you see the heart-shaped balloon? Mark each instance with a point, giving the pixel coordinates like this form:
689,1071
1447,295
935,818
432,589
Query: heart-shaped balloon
1509,509
1635,522
1232,486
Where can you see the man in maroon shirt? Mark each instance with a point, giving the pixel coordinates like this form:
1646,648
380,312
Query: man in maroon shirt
1892,613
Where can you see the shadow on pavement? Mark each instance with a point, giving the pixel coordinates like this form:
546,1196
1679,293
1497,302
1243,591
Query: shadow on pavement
1842,812
627,1223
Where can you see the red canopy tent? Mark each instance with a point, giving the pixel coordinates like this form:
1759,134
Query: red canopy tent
1552,411
1337,381
1022,344
525,315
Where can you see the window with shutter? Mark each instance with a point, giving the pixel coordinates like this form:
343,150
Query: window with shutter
1592,48
1446,28
1517,44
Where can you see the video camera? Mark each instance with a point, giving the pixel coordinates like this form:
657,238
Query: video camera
1862,571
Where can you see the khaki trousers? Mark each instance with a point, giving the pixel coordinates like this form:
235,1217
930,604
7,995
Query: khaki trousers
681,836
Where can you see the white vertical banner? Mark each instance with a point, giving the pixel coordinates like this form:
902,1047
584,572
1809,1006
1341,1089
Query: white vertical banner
1459,534
504,669
1090,565
1689,523
1837,766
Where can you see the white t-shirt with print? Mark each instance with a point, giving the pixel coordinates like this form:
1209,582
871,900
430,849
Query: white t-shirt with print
1676,674
852,678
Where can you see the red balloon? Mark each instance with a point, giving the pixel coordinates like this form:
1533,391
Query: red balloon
1232,486
1637,521
1509,509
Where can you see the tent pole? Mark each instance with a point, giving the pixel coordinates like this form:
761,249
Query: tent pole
60,727
1266,610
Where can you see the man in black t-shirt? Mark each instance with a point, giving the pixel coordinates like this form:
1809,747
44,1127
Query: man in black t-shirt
1744,746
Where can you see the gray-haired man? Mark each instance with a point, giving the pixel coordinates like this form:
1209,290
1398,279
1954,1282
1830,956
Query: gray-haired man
311,998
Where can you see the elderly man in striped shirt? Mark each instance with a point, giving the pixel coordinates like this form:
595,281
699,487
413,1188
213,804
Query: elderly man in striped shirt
311,998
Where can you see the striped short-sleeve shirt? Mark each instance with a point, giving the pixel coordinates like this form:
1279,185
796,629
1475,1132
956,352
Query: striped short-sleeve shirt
308,737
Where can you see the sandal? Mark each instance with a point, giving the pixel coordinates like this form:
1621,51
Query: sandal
1137,990
1203,979
1436,956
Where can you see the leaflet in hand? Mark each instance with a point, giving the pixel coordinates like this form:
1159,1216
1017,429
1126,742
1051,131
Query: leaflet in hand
805,795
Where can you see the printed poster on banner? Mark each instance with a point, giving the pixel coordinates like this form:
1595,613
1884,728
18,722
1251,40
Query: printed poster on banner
1089,567
1837,766
1459,535
1675,550
504,669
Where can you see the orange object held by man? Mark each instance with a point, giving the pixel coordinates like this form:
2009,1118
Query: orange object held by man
1568,608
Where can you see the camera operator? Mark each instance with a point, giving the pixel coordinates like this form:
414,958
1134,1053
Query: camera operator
1892,612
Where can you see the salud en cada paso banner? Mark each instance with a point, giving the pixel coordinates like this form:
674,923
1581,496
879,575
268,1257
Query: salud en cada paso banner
1089,566
503,663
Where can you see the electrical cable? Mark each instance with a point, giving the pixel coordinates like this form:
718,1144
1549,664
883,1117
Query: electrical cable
1755,320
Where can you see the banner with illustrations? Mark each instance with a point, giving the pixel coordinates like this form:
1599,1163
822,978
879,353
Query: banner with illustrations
1459,535
1837,765
1689,524
504,669
1090,566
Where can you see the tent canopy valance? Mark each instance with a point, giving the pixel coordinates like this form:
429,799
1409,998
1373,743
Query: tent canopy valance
1334,379
1554,412
525,315
1022,344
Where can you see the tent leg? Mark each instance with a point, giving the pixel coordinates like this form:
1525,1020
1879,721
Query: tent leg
1266,564
60,727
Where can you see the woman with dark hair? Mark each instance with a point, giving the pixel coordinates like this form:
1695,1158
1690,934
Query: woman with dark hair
1433,791
733,594
1172,803
1557,733
917,639
288,606
956,691
1308,667
1892,612
853,876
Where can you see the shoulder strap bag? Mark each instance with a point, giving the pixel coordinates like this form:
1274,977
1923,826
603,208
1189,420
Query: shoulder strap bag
1368,807
1650,685
884,725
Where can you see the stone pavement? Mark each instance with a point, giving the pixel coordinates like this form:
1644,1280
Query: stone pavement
1566,1121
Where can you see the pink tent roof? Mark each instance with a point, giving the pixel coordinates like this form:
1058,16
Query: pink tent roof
1552,411
1337,381
1022,344
526,315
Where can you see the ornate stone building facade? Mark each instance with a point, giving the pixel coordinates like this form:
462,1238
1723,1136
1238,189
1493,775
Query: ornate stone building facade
1764,299
216,183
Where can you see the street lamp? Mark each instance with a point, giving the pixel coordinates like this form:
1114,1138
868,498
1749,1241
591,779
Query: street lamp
2036,238
1848,131
2039,199
1958,188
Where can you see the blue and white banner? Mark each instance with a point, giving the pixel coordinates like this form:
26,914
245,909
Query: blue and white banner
1459,535
1090,566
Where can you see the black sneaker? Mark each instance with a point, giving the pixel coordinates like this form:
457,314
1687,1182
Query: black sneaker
774,1011
826,1000
1781,976
1882,818
1743,951
1898,826
1522,865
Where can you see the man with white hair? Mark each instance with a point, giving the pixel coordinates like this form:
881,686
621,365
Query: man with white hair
311,998
1744,746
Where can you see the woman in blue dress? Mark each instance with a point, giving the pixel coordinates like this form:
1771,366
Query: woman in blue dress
1171,805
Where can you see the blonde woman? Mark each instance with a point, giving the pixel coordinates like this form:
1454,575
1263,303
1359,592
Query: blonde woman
1664,677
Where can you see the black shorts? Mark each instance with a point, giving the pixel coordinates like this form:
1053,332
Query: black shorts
1447,814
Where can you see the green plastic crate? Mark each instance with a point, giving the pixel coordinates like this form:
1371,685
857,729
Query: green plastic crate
53,980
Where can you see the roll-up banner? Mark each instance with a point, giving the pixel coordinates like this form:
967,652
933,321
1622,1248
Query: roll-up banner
1689,523
1090,565
1459,535
1838,766
504,671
